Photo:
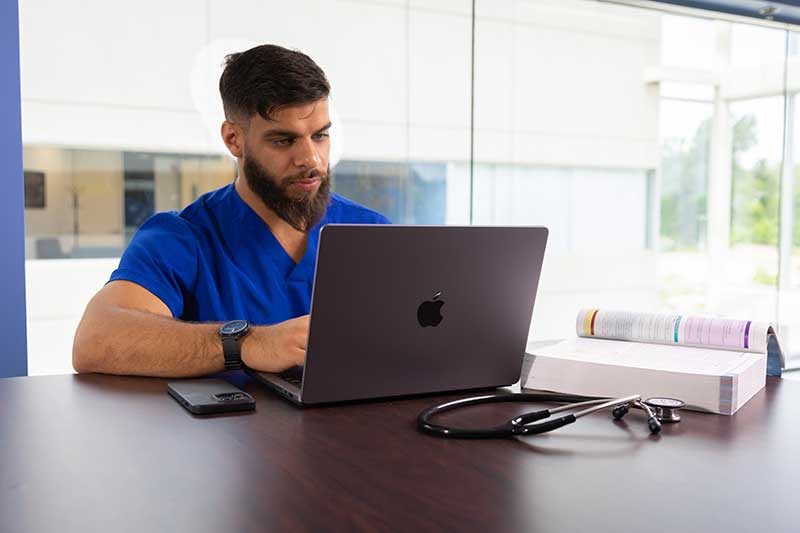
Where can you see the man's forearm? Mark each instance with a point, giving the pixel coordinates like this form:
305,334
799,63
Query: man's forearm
116,340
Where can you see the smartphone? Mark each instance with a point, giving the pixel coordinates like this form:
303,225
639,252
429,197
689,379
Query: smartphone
209,396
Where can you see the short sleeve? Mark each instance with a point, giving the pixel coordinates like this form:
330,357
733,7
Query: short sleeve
380,219
162,257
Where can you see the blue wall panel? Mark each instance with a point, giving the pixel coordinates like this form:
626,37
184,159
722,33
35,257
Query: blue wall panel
13,349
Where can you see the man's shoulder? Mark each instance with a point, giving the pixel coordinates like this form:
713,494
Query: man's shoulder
165,222
165,233
190,219
344,210
199,210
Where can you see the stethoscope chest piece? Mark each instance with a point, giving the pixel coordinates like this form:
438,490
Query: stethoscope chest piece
666,409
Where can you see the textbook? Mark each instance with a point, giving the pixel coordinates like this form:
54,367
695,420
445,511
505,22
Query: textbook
713,364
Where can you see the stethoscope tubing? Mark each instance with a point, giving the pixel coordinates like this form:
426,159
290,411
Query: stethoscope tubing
526,424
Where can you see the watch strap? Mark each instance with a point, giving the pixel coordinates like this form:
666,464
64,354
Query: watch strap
232,351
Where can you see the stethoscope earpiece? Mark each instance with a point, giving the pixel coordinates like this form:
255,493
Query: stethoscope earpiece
654,425
652,418
620,411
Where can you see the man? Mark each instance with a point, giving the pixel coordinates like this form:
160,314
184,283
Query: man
246,251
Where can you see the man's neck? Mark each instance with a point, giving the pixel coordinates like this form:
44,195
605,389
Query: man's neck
293,241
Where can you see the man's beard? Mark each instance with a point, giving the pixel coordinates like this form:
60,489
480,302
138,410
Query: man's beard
302,211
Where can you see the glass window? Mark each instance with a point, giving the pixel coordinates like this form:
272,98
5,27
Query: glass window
113,145
651,144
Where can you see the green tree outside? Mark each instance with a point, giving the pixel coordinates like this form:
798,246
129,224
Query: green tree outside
755,195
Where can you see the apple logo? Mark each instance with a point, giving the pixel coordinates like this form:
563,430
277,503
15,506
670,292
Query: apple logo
429,312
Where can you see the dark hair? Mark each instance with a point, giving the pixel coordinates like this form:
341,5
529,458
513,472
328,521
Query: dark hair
268,77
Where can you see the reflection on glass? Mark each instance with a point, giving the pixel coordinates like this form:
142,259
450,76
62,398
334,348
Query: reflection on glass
685,132
96,199
406,193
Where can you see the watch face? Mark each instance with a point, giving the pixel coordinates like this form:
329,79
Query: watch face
233,328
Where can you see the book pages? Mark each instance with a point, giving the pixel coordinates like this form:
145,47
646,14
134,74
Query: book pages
718,381
683,330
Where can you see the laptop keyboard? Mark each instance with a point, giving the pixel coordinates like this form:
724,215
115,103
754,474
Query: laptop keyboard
293,375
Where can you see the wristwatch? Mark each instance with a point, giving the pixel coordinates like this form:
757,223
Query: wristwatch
231,333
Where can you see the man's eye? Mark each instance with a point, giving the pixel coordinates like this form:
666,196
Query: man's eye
282,142
320,136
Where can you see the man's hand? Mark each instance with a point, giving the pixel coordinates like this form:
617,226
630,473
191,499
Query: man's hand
278,347
128,330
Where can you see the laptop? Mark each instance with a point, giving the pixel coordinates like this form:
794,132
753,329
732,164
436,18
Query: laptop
407,310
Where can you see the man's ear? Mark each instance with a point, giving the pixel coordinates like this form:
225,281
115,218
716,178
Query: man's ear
233,137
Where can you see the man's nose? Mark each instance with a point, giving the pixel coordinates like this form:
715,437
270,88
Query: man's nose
306,155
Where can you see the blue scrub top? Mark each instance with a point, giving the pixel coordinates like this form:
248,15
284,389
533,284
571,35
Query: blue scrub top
217,260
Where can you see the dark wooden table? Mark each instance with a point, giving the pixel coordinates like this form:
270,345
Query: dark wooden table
99,453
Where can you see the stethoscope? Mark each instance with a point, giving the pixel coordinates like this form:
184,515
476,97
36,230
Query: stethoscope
658,410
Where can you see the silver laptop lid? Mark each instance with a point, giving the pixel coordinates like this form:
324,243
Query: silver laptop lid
400,310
